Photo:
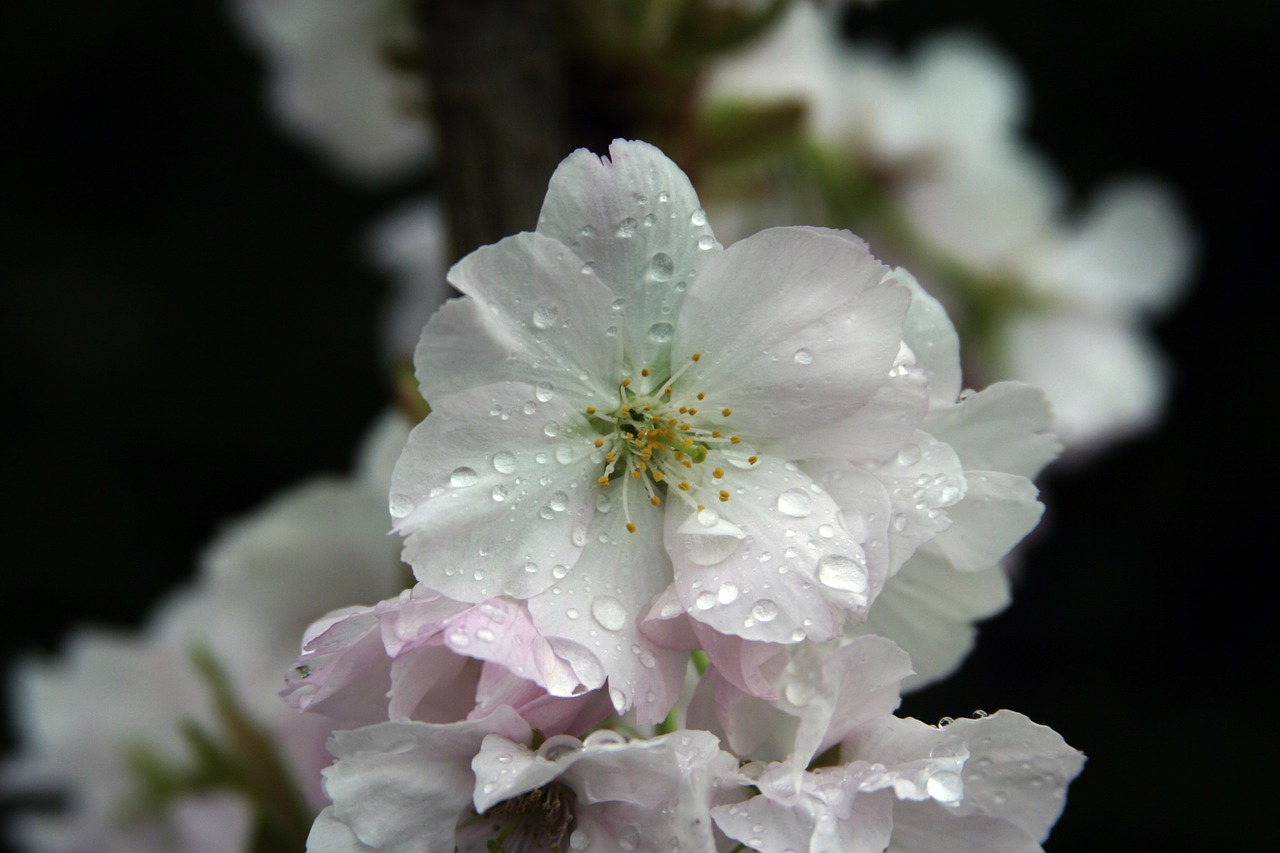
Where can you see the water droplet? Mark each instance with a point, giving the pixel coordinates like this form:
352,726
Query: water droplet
611,331
543,391
705,600
485,635
550,429
578,536
504,462
572,613
627,228
794,502
698,217
708,517
460,638
559,571
499,493
909,455
544,316
839,572
588,268
826,531
629,836
706,241
529,407
401,505
609,612
558,501
764,610
660,332
798,635
618,304
564,454
587,230
999,798
504,758
661,267
728,593
618,698
803,356
463,477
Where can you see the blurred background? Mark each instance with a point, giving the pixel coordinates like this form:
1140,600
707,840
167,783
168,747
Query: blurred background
191,325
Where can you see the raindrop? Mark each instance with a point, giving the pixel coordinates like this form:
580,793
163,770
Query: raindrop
629,836
708,517
706,241
826,531
839,572
578,536
909,455
587,230
558,501
698,217
564,454
664,196
544,316
572,613
660,332
705,600
609,612
627,228
728,593
504,758
485,635
803,356
463,477
661,267
558,571
499,493
588,268
618,305
504,462
401,505
550,429
794,502
542,391
764,610
611,331
650,220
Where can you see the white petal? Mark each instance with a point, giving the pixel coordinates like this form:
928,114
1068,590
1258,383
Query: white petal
490,498
532,315
797,328
1002,428
928,608
929,333
933,828
597,604
998,510
635,217
794,571
505,768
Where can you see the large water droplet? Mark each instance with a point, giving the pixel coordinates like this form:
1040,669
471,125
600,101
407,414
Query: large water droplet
543,391
401,505
660,332
706,241
564,454
803,356
627,228
558,501
764,610
661,267
463,477
558,571
705,600
504,462
839,572
550,429
794,502
728,593
945,787
698,217
499,493
609,612
544,316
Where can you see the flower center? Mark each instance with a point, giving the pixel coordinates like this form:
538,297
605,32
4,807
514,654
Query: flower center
660,434
541,819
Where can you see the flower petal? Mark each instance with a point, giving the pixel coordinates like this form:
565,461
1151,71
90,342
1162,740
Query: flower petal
798,327
1003,427
997,511
490,498
636,219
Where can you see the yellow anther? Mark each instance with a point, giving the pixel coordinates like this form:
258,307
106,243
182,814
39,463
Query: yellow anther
684,485
751,460
697,356
686,426
611,457
686,463
603,482
701,507
688,442
726,412
631,527
644,371
655,500
684,409
625,411
599,442
701,396
718,473
724,496
635,474
657,476
642,466
591,410
626,382
668,391
693,411
715,433
733,439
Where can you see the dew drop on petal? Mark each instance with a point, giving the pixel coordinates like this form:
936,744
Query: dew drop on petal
504,462
764,610
545,314
728,593
803,356
698,217
578,536
839,572
660,332
945,787
794,502
463,477
401,505
826,531
550,429
564,454
627,228
485,635
609,612
558,571
706,241
661,267
909,455
705,600
708,517
572,613
499,493
629,837
543,391
558,501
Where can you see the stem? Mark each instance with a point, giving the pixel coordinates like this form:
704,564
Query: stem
499,100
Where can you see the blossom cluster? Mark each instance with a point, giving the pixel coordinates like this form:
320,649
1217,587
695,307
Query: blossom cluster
683,519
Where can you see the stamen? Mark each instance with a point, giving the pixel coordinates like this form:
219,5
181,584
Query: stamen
644,371
697,356
626,382
724,496
599,442
701,396
655,500
631,527
591,410
751,460
726,412
718,473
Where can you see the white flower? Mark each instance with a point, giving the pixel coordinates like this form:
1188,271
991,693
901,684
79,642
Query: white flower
618,407
332,83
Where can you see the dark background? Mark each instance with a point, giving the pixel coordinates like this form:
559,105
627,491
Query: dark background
188,326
